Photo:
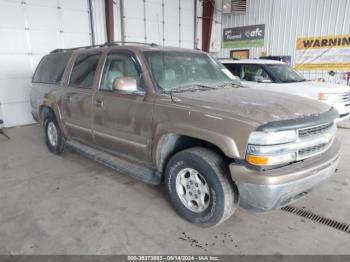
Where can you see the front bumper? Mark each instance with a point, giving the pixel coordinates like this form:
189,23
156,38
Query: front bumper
262,191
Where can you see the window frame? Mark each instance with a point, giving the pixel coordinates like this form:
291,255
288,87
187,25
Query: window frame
68,83
239,66
158,89
62,80
259,65
137,66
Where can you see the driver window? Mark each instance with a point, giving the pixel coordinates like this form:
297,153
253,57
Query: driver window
253,73
116,66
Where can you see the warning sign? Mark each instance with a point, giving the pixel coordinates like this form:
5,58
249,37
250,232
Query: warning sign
323,53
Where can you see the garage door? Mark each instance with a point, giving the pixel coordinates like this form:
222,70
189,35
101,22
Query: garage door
28,30
165,22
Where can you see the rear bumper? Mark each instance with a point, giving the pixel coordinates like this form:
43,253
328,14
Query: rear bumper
263,191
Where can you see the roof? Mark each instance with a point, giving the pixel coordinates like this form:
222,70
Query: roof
249,61
127,45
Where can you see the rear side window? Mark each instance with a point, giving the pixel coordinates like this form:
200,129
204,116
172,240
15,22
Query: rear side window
84,70
51,68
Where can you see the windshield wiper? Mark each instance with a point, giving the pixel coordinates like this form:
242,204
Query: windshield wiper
230,84
191,88
199,87
294,81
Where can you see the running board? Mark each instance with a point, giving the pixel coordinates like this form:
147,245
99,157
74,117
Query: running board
119,165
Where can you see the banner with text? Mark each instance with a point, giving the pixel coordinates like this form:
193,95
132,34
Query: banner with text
323,53
244,36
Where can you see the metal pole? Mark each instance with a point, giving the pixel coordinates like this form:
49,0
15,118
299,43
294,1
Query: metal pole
109,20
195,25
93,40
207,21
122,20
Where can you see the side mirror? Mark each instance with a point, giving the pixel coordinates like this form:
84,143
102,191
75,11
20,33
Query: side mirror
125,84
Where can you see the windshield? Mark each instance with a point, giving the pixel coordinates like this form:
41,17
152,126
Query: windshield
174,70
285,73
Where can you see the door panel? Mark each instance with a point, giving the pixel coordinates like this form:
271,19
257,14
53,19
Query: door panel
122,124
122,121
77,104
77,113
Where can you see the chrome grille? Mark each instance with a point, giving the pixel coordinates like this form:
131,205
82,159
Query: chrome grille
344,97
311,150
314,131
315,140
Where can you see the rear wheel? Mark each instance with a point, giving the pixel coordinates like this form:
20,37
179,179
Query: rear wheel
199,187
53,135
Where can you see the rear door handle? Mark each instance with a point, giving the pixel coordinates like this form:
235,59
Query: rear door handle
99,103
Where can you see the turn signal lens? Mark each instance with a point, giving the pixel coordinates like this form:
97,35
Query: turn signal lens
257,160
271,160
322,96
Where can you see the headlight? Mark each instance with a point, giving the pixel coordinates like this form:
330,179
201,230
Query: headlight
272,138
268,148
284,147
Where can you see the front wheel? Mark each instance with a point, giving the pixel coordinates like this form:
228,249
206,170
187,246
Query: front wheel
199,187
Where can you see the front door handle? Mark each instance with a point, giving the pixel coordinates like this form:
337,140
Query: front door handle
67,98
99,103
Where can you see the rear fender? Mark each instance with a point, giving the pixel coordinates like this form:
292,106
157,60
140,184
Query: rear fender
56,110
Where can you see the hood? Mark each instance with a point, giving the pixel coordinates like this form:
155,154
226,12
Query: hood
251,104
320,86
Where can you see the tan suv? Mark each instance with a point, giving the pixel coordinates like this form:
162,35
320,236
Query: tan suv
176,115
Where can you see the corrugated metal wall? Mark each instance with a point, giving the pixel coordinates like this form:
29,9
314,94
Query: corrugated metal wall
286,20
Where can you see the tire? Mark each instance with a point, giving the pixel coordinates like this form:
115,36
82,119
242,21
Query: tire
207,209
54,144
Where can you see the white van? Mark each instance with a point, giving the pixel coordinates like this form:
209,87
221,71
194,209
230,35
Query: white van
279,77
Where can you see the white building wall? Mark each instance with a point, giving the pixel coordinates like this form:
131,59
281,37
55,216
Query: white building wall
164,22
99,21
286,20
30,29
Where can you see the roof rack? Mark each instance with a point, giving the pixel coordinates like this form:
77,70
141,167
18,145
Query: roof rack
128,42
58,50
114,43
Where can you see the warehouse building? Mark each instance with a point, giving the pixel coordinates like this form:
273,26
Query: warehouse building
151,130
282,28
29,29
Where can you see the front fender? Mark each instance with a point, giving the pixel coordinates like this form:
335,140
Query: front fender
225,143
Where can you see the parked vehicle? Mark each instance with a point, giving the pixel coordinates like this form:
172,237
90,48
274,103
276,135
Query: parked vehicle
178,116
279,77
